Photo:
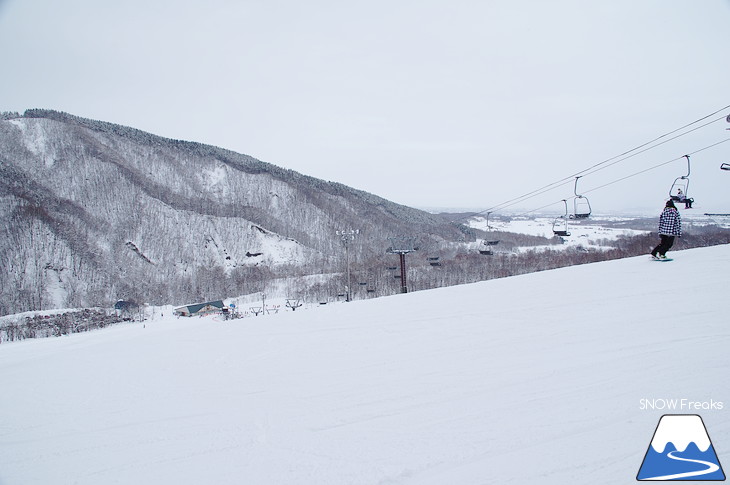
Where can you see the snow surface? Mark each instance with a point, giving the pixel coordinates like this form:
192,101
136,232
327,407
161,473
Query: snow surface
216,179
35,140
531,379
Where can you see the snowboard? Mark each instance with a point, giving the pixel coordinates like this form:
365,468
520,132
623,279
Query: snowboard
662,260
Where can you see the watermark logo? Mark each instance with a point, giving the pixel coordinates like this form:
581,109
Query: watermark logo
680,405
681,450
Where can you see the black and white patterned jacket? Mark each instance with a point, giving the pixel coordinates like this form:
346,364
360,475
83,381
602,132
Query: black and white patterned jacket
670,223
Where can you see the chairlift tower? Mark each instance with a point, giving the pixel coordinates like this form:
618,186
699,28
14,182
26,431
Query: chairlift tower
347,237
293,303
402,245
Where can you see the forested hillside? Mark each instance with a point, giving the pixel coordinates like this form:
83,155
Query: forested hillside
92,212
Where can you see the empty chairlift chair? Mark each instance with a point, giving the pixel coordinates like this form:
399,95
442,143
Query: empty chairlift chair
721,219
581,205
489,242
560,223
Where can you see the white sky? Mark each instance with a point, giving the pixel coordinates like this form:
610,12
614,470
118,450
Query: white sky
458,103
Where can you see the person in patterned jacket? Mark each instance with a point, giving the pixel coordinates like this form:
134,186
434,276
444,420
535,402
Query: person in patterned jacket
670,226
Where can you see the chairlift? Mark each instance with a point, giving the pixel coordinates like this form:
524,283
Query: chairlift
581,205
434,261
560,223
721,219
370,283
392,268
363,283
490,242
487,250
679,192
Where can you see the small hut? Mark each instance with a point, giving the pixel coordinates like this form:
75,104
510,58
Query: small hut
126,307
199,309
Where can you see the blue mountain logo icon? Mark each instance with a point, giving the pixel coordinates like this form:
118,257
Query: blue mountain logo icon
681,450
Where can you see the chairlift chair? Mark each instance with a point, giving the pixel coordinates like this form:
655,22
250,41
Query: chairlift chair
679,191
581,205
560,223
434,261
721,219
487,250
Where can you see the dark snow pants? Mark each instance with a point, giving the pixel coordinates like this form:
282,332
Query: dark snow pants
664,245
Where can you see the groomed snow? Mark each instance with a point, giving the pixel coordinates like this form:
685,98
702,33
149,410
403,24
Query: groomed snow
535,379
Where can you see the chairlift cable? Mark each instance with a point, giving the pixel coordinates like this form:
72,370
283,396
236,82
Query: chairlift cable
665,135
590,170
658,165
628,176
601,165
649,148
517,200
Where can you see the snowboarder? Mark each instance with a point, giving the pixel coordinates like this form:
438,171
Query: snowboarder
670,226
683,198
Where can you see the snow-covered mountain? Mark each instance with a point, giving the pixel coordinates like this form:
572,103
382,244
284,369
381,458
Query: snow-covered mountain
92,212
680,430
533,379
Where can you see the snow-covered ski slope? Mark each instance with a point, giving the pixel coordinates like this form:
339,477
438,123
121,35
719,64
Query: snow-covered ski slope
535,379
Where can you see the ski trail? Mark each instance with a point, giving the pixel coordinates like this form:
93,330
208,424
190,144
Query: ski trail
711,468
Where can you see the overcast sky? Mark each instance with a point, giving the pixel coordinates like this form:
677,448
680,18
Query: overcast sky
447,103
